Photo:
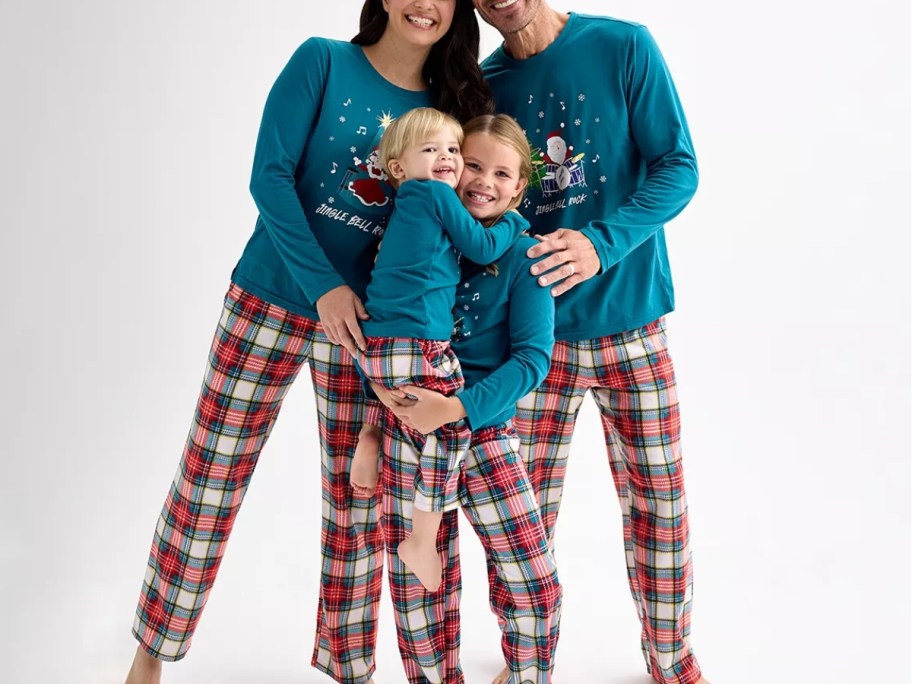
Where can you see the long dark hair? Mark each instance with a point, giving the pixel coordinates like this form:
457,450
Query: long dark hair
451,69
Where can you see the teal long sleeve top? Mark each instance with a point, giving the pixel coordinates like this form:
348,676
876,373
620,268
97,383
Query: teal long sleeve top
413,284
323,199
612,157
503,337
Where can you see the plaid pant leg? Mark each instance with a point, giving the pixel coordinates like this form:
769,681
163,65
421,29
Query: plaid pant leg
498,500
432,365
352,541
638,400
256,354
427,624
545,419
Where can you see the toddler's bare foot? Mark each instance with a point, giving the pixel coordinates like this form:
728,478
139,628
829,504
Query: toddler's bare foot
423,561
503,677
145,669
364,474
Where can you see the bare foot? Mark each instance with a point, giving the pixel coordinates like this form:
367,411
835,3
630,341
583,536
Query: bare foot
423,561
503,677
365,463
145,669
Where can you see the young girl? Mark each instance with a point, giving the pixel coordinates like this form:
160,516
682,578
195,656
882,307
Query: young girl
503,340
410,302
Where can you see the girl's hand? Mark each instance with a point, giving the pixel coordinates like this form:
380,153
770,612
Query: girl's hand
392,399
339,310
430,411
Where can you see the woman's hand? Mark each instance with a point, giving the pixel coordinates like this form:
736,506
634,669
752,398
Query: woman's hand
340,309
430,411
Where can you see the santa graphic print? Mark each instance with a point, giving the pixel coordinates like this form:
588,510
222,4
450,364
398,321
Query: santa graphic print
558,168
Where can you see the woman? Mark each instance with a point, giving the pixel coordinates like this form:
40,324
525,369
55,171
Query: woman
296,297
504,334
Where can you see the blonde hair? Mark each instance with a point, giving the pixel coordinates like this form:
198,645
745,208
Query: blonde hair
506,131
412,128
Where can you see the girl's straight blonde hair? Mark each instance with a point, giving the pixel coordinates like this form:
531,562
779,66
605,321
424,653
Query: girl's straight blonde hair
506,131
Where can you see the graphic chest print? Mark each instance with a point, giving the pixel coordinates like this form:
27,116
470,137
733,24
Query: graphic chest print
564,169
359,194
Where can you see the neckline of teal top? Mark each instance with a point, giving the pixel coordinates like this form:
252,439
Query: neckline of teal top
383,82
553,49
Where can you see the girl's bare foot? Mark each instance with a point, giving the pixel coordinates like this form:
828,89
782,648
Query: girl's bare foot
503,677
145,669
365,462
423,561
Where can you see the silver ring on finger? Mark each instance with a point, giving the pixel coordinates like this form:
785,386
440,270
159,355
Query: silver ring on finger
572,269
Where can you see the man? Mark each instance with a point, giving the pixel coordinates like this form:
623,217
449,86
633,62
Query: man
613,162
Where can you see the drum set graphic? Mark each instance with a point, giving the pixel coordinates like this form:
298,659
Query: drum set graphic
555,170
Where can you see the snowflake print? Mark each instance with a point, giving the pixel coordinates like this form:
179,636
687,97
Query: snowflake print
322,185
332,138
341,119
581,97
577,122
353,149
588,142
550,94
603,179
596,191
331,200
597,119
541,115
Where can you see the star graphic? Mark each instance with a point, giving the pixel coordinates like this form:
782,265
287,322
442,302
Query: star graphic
385,120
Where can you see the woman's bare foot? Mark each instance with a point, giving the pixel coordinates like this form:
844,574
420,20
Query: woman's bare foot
145,669
423,561
365,462
503,677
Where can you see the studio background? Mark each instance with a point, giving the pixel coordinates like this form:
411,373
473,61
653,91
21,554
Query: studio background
126,143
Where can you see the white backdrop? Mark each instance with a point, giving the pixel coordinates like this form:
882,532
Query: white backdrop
126,142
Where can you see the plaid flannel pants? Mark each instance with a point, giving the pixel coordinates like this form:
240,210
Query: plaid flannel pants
430,364
497,498
632,380
256,354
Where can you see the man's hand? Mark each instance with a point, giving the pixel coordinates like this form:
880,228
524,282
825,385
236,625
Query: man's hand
340,309
430,411
573,259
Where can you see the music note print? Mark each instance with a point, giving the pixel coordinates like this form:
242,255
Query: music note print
530,99
347,102
563,106
597,157
476,297
335,167
362,130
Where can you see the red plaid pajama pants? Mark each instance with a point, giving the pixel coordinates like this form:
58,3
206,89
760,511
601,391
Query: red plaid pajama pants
497,498
430,364
257,353
632,380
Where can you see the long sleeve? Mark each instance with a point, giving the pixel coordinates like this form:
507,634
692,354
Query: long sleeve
531,330
481,245
289,115
659,130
